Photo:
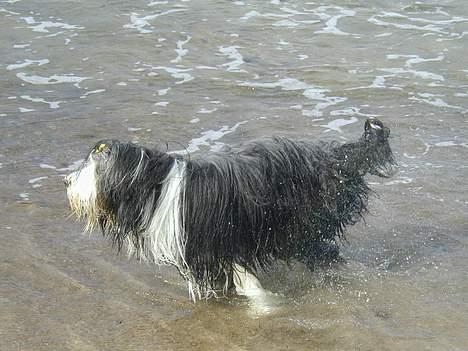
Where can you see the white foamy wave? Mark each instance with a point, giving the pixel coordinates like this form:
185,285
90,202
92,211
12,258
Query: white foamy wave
393,19
141,23
24,196
97,91
331,24
407,69
418,74
52,104
205,111
43,26
284,84
337,124
400,180
351,111
378,83
25,110
26,63
206,67
434,100
155,3
162,92
253,14
21,46
450,143
210,139
286,23
9,13
46,166
311,92
381,35
177,73
415,59
285,19
291,18
54,79
37,182
180,50
237,60
408,66
326,101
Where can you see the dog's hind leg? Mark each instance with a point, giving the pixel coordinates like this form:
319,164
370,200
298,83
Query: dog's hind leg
261,301
246,283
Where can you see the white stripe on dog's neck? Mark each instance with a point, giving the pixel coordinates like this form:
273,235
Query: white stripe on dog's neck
164,236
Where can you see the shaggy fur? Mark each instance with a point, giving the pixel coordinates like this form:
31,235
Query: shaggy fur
271,199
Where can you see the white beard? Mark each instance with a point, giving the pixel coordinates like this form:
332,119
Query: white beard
82,193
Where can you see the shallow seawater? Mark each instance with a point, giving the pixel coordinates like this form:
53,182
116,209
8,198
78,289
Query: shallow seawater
198,75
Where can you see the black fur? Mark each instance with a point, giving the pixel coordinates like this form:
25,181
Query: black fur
121,195
271,199
278,199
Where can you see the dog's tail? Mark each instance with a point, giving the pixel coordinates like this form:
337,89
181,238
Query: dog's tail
370,154
375,132
378,153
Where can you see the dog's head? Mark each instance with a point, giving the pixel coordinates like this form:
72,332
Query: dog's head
105,182
378,151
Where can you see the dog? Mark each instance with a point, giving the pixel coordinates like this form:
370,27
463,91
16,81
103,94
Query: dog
222,217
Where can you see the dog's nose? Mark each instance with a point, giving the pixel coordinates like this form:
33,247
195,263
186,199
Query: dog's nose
66,181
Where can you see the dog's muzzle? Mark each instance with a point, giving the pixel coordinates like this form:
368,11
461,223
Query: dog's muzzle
67,181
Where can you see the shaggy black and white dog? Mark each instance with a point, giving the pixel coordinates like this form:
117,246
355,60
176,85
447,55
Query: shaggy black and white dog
222,217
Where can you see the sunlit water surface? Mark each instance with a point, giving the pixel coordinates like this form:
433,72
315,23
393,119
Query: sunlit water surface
198,75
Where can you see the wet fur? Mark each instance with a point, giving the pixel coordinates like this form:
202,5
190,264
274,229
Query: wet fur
271,199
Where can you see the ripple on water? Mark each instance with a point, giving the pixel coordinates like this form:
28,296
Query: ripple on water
434,100
43,26
52,104
27,63
326,101
311,92
53,79
180,50
401,21
331,24
210,138
37,182
91,92
177,73
141,23
337,124
232,53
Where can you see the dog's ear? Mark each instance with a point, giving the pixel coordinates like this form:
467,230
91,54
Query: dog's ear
102,149
374,130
